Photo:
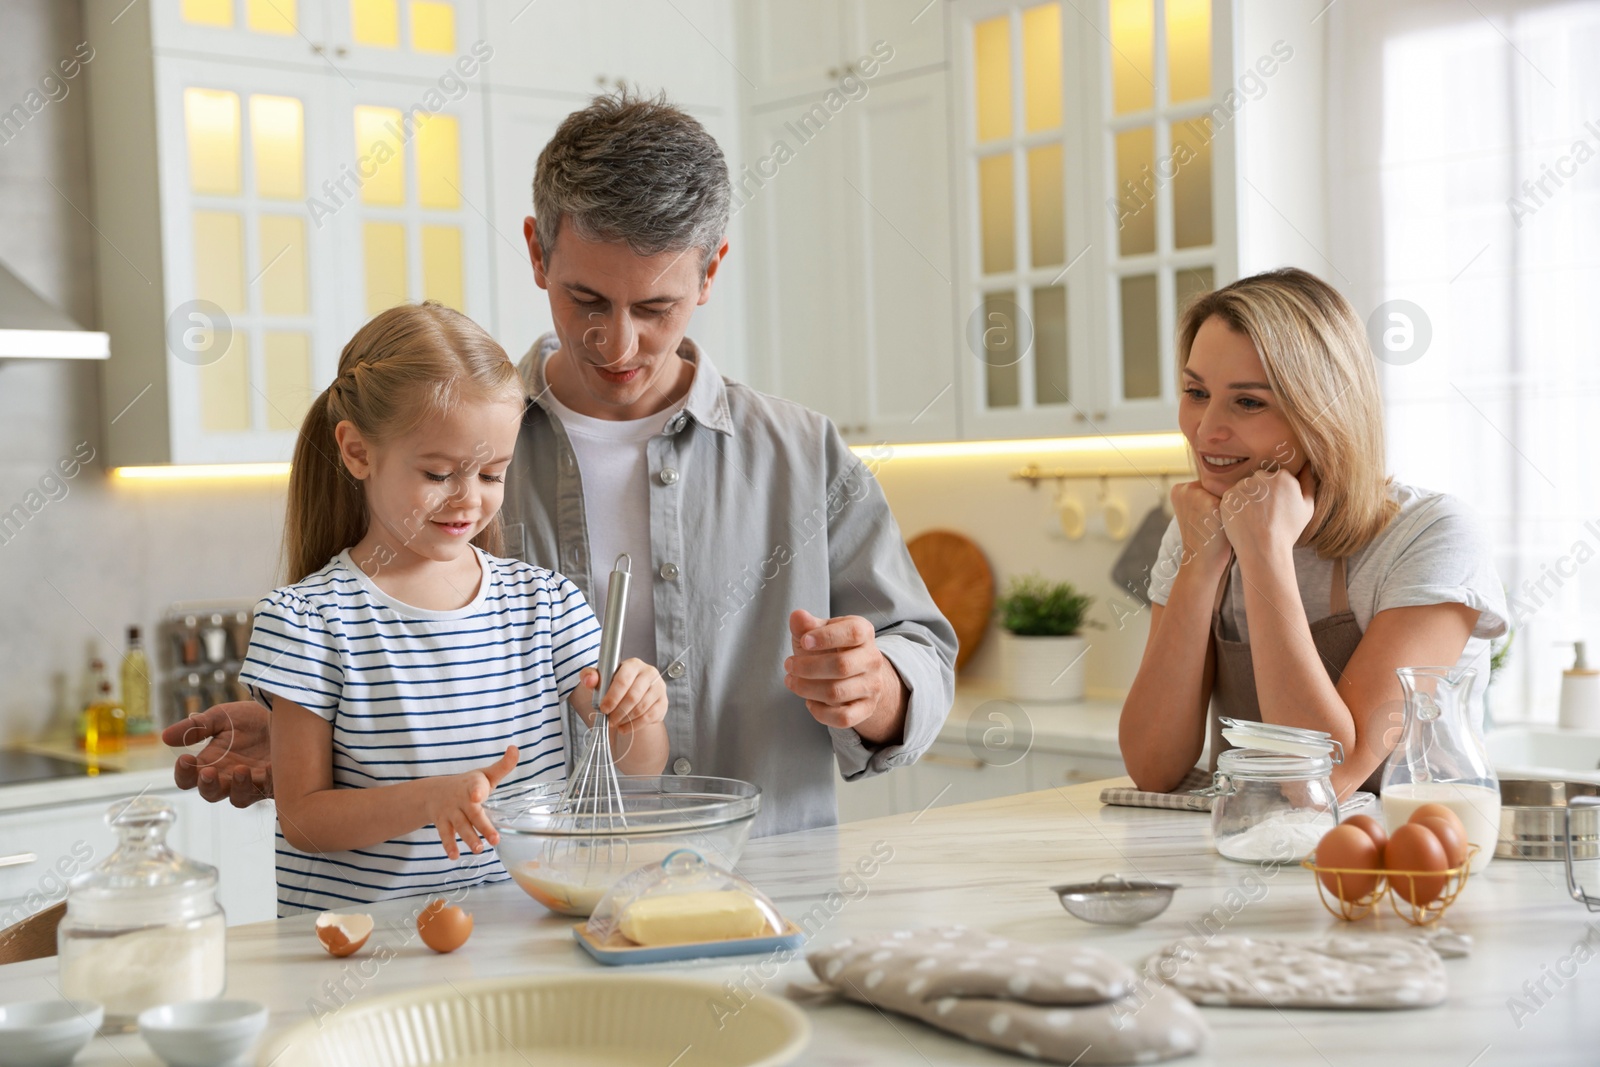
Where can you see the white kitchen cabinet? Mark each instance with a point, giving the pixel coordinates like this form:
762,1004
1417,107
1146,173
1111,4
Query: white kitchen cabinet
68,839
791,193
254,214
289,32
346,38
871,798
1094,190
1052,770
794,49
950,774
576,48
1089,188
849,216
413,39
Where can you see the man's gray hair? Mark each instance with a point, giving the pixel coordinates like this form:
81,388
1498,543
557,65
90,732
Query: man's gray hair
635,169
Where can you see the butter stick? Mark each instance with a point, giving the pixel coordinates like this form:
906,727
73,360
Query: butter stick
717,915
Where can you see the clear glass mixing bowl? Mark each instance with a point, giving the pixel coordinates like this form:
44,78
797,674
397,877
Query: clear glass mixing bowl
567,861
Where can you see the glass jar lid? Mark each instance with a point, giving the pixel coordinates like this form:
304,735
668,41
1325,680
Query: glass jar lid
143,880
1262,765
1288,740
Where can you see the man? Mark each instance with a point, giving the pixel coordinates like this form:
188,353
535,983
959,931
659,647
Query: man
769,579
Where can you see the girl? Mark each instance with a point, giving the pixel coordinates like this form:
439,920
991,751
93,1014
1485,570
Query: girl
1296,576
409,669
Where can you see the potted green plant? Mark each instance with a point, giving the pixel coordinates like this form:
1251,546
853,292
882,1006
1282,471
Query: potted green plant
1041,645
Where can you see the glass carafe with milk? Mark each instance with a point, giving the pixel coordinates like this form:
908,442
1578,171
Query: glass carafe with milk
1441,759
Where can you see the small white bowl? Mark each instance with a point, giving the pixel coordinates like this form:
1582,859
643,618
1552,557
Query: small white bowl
203,1033
46,1033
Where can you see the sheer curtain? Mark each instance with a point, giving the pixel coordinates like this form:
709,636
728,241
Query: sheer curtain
1464,182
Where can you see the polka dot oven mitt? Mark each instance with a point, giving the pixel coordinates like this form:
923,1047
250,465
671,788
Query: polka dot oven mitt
1052,1002
1339,971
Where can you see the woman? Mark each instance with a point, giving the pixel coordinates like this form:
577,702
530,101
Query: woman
1296,576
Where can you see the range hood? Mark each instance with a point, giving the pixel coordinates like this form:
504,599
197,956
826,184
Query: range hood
33,328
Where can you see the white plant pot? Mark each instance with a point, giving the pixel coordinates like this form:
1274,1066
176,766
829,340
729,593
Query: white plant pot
1043,669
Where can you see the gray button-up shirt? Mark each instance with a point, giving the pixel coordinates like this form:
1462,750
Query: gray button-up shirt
757,507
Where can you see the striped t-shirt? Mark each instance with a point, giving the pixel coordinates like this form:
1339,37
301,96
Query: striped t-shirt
413,693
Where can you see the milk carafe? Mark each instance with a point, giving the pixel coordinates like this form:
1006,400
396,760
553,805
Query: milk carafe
1441,759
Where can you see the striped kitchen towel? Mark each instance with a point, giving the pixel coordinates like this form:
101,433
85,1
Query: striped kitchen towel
1180,799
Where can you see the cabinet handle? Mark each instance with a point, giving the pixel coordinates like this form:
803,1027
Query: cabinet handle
21,859
833,73
1099,416
1078,416
952,761
318,49
341,51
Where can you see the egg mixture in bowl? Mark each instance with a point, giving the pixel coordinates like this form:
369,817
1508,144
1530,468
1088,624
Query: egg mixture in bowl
566,861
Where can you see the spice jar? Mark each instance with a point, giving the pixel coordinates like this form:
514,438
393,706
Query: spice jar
1273,798
144,927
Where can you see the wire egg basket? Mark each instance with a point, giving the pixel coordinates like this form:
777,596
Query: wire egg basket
1362,905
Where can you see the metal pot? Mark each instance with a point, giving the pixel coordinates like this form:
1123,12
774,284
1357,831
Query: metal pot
1532,820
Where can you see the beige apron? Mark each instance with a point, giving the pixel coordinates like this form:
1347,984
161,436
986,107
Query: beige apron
1233,689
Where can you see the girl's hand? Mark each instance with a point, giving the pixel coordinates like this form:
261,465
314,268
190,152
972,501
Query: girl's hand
637,697
1266,513
1205,539
455,805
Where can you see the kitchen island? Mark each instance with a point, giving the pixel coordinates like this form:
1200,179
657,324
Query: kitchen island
989,864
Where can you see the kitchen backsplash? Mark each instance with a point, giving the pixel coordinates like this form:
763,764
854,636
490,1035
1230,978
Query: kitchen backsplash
1017,526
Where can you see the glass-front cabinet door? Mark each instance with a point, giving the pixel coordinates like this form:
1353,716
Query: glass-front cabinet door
251,291
1166,152
281,31
1025,303
1090,176
410,203
414,38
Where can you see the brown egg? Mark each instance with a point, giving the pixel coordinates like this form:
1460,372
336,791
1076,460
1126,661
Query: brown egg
1373,829
1414,847
343,934
444,928
1439,811
1349,847
1455,845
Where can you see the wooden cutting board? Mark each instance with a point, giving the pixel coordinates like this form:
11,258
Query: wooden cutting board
958,576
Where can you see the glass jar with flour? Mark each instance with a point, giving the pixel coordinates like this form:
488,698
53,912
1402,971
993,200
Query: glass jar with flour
144,927
1272,797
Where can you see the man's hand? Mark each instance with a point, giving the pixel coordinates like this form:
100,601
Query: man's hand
843,678
236,764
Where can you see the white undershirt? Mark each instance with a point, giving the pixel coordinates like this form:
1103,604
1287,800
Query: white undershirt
615,470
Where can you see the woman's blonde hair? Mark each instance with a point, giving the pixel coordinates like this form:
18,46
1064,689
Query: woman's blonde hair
408,364
1320,367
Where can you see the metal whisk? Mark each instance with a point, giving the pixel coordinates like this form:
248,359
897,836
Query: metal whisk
593,797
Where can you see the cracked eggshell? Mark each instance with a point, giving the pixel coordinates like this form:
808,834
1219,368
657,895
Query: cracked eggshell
342,935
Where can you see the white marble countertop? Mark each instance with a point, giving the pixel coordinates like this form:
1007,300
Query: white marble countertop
139,767
1088,728
988,864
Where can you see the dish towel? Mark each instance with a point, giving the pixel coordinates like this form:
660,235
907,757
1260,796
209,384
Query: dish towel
1058,1002
1182,798
1338,971
1132,569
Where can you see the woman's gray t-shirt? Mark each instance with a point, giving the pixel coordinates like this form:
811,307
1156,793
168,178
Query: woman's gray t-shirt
1434,551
